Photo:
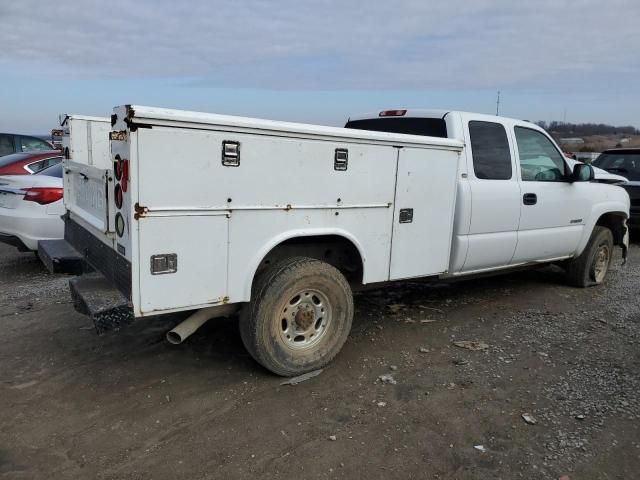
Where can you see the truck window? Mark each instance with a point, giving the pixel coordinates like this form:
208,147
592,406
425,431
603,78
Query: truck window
430,127
490,150
540,161
31,143
6,144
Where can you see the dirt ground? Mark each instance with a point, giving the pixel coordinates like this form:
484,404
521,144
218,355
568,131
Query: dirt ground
129,405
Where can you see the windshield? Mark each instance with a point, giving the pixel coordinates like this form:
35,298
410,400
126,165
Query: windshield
626,164
431,127
54,171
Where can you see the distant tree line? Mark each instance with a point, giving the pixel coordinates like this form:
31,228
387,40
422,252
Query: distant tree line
565,129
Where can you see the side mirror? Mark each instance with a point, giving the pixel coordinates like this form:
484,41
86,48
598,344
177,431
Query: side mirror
582,173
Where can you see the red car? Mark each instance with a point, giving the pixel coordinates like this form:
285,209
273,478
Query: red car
27,163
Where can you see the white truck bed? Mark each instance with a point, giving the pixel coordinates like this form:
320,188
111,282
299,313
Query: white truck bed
220,222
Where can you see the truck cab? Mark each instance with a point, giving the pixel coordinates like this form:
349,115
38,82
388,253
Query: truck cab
518,199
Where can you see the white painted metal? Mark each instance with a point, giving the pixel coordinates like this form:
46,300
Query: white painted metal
85,142
428,186
202,262
222,221
495,210
87,139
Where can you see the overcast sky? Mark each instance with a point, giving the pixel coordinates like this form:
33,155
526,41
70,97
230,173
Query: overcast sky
319,61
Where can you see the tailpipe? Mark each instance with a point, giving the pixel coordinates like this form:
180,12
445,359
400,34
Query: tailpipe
186,328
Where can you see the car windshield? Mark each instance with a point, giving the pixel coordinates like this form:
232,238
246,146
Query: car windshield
53,171
626,164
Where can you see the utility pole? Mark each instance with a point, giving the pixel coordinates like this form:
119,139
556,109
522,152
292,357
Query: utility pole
498,104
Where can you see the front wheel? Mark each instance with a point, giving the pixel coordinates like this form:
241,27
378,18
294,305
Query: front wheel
591,266
299,316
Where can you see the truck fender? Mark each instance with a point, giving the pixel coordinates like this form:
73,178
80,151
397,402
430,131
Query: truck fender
597,211
288,235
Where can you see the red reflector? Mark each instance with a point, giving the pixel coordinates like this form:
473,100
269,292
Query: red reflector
125,175
43,195
392,113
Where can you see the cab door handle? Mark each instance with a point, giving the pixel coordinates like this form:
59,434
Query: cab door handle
529,199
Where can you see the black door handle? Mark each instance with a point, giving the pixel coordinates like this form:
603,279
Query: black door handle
529,199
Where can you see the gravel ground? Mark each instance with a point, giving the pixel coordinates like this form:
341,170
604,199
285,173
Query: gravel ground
130,406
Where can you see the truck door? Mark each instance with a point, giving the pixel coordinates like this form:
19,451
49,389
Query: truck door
554,210
495,196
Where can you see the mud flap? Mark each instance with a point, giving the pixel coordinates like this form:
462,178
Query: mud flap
625,244
94,296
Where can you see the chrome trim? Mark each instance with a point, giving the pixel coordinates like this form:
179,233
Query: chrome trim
168,211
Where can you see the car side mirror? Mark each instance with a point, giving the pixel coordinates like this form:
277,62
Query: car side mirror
582,173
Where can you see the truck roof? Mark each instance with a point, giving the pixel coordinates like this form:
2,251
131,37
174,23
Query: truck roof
65,116
168,117
428,113
409,112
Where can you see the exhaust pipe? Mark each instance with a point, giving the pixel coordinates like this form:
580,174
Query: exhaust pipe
186,328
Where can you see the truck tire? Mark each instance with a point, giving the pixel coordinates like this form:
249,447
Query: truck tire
299,316
591,266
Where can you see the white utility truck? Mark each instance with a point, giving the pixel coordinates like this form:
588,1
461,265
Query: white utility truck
279,221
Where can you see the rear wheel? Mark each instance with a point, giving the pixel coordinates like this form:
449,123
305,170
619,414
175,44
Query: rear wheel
591,266
299,316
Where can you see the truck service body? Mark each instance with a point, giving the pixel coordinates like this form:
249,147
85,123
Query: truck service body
202,212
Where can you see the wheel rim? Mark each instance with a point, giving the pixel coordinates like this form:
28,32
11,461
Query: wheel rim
304,319
600,263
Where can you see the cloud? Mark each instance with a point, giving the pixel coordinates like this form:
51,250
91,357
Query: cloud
329,44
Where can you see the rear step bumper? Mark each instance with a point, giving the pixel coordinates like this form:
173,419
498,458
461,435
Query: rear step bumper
95,296
60,257
99,255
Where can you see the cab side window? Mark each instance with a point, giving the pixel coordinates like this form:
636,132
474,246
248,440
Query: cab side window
540,161
490,151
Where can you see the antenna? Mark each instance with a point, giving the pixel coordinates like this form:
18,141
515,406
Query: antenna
498,104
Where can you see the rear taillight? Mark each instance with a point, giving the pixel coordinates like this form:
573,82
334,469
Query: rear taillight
43,195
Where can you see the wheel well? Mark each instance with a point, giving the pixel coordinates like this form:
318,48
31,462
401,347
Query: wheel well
333,249
614,221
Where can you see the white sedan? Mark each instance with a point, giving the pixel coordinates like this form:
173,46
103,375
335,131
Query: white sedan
31,207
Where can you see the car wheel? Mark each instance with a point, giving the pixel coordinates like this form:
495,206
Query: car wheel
591,266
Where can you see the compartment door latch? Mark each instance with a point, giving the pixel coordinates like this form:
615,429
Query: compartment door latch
341,159
230,153
406,215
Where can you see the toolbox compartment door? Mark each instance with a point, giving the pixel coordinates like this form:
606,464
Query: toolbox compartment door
424,210
198,246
